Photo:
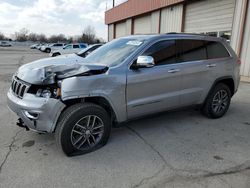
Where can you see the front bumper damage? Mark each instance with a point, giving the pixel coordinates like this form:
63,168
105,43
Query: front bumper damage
36,113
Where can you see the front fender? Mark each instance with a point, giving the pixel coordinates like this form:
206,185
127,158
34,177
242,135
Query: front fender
102,85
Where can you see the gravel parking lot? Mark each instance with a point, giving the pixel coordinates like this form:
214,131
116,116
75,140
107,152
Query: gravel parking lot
174,149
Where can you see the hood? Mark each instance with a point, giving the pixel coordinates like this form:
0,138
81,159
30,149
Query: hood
49,70
58,60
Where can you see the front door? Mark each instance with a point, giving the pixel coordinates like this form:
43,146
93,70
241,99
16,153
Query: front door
151,90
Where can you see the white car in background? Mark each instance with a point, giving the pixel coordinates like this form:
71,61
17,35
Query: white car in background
5,44
34,46
51,47
40,46
69,49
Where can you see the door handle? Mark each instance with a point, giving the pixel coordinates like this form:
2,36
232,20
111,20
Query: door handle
211,65
173,70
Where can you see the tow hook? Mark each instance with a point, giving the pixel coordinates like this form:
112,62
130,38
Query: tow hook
20,123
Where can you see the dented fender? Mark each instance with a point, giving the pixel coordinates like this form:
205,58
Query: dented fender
112,88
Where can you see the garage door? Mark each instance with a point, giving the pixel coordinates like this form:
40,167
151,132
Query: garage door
142,25
245,55
171,19
209,16
120,29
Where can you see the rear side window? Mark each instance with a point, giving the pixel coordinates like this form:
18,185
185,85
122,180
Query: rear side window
83,46
216,50
163,52
75,46
190,50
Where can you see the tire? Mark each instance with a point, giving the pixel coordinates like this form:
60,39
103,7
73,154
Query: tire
217,102
71,123
47,50
55,54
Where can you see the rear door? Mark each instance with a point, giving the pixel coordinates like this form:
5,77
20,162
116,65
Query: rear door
57,46
154,89
76,48
220,62
192,58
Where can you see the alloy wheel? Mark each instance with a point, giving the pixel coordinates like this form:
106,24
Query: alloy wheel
87,132
220,101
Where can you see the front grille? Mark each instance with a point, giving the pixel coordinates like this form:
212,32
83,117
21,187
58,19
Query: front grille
18,87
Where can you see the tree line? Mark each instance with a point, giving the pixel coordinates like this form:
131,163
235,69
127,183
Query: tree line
88,36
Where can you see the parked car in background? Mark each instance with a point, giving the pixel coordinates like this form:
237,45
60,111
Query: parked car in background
34,46
39,46
51,47
42,47
83,53
125,79
69,49
5,44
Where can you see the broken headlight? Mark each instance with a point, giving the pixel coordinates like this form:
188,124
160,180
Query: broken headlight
46,93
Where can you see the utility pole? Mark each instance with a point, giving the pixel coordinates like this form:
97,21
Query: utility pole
113,3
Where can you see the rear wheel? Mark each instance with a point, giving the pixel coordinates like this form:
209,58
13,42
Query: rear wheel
83,128
217,102
48,50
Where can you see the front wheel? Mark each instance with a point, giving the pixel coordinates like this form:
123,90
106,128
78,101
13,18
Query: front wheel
217,102
83,128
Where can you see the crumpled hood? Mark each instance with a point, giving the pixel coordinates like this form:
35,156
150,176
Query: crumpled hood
47,71
58,60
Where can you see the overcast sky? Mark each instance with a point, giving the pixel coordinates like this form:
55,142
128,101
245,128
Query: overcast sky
54,16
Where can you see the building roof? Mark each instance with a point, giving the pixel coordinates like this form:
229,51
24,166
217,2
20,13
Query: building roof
133,8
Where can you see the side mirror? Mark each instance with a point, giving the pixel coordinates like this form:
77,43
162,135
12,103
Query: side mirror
144,62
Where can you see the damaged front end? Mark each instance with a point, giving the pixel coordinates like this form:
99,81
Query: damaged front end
50,74
46,81
35,93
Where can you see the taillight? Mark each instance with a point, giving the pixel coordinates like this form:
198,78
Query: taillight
239,62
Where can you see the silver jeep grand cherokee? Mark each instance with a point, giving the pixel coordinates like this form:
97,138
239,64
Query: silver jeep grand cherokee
79,100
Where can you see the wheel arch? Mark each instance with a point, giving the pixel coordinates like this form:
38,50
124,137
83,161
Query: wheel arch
98,100
227,80
47,48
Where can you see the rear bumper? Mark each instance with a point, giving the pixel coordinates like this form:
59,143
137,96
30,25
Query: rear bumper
39,114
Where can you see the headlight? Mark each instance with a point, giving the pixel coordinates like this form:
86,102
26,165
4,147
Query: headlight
48,93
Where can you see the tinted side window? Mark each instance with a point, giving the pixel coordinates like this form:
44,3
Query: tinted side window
216,50
191,50
75,46
163,52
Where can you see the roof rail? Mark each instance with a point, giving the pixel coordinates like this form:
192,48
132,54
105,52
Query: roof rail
172,33
198,34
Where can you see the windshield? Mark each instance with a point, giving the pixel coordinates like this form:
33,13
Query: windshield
114,53
69,46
